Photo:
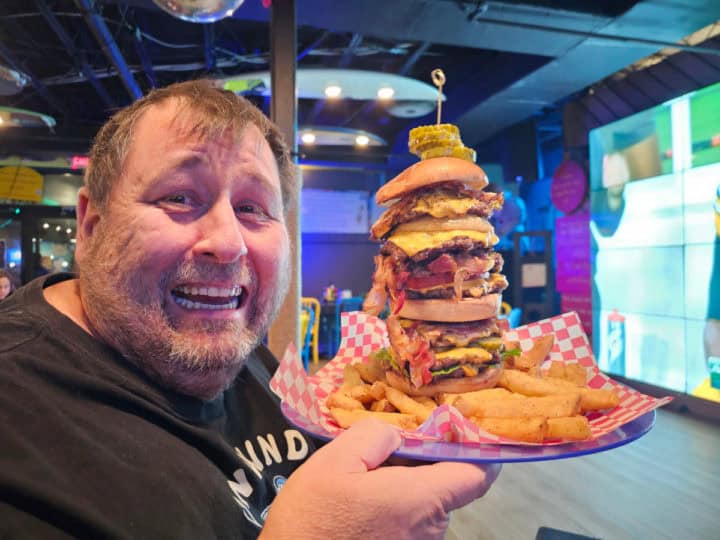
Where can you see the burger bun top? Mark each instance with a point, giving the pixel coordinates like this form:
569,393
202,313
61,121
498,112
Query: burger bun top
432,171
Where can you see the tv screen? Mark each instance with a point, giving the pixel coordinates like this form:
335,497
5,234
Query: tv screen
655,236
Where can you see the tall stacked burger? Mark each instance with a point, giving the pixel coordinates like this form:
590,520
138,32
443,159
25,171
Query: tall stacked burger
437,271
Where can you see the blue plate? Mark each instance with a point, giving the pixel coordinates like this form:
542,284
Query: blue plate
496,453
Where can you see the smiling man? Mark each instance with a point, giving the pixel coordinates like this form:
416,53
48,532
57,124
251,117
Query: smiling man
134,397
194,249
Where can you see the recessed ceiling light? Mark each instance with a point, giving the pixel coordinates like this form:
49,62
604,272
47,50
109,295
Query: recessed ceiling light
362,140
308,138
386,92
333,91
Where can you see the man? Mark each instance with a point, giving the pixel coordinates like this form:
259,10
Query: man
133,397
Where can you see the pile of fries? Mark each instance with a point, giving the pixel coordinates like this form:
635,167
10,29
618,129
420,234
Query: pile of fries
529,404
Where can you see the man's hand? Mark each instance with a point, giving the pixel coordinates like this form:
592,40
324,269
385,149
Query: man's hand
342,492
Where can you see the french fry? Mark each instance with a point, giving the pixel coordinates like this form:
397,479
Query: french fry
532,429
377,390
406,404
351,376
446,398
341,400
382,405
534,371
572,428
479,395
576,374
553,406
522,383
557,369
591,399
362,392
561,383
345,418
426,401
597,399
370,371
539,351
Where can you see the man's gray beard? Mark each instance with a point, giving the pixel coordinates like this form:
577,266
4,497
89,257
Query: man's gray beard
127,313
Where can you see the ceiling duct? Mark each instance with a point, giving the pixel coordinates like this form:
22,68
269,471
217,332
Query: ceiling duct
12,82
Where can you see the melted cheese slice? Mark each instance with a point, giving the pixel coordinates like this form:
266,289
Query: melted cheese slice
440,206
414,242
480,354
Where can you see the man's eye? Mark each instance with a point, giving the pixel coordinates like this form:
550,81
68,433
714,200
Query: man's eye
177,199
249,208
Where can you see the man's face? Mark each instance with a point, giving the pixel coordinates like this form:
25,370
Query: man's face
189,265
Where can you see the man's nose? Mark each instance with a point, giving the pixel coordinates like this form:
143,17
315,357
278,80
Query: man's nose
221,238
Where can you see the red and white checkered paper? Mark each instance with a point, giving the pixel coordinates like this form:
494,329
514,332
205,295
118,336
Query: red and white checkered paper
362,333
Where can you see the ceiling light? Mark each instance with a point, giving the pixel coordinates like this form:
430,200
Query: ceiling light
333,91
386,92
308,138
362,140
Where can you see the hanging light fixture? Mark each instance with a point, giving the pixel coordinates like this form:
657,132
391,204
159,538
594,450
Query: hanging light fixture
199,11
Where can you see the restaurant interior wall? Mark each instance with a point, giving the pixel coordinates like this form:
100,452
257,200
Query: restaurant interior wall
336,248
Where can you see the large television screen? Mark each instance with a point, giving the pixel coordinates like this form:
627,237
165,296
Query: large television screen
655,227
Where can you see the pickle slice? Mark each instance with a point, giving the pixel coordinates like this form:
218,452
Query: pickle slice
462,152
424,137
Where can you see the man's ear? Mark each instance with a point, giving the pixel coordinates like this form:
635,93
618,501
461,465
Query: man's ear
87,217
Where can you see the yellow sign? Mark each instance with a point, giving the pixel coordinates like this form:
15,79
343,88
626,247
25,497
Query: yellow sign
21,184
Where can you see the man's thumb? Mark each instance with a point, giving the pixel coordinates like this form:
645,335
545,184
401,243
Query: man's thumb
363,447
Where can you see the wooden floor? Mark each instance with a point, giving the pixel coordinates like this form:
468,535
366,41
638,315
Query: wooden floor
664,485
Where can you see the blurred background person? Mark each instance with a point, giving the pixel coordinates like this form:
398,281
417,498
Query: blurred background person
7,285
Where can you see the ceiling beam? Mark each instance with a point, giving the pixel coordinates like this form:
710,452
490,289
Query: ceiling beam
145,59
109,46
209,47
67,42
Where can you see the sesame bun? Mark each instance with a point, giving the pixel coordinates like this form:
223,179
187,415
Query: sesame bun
451,310
429,172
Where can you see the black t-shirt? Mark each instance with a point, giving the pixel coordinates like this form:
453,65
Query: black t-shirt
92,448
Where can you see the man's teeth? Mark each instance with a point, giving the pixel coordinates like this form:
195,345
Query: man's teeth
210,291
192,297
189,304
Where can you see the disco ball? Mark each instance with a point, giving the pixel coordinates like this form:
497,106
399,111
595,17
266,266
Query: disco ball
199,11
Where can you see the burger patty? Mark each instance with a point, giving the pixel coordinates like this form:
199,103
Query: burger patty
479,203
445,335
476,288
442,337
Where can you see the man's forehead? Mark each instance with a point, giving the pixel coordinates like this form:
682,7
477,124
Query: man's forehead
185,123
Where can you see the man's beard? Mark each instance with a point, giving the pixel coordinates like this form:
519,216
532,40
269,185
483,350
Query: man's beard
127,311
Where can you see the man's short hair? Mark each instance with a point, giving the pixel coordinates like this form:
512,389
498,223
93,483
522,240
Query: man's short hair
214,112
